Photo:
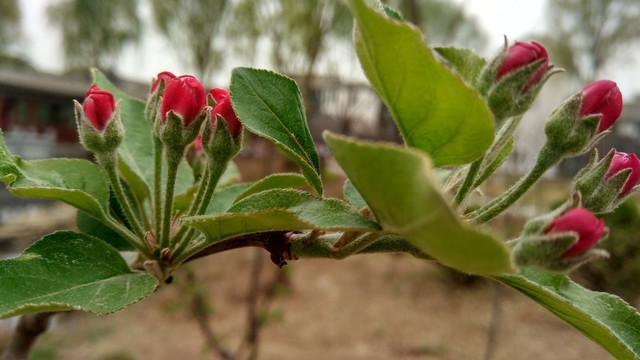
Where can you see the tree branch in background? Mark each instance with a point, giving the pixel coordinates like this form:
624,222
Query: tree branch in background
29,328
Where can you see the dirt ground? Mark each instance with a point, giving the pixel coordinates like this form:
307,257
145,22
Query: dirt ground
376,307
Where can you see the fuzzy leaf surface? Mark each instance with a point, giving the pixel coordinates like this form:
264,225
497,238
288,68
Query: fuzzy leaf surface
70,271
274,181
281,209
76,182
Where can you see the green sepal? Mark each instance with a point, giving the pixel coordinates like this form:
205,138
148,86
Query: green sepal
218,142
589,177
153,102
507,97
536,249
535,226
174,134
605,198
94,140
568,133
545,252
488,74
601,195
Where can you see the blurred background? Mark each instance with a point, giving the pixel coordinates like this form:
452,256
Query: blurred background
47,47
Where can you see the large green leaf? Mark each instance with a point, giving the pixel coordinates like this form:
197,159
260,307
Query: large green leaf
137,151
604,318
77,182
281,209
434,109
271,106
70,271
274,181
401,190
224,198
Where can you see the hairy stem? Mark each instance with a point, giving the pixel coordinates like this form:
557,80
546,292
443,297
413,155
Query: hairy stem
469,179
109,163
546,159
157,184
201,201
173,160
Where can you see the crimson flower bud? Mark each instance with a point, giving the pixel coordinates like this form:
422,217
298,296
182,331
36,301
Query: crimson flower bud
522,54
197,145
225,110
581,221
602,97
622,161
98,106
185,96
166,76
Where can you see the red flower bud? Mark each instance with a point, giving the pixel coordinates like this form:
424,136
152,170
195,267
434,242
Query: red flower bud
184,95
622,161
197,145
602,97
166,76
581,221
223,108
98,106
522,54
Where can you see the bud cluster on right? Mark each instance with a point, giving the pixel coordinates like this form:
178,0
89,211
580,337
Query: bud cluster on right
566,237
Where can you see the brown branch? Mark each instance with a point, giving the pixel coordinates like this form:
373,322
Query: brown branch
200,313
253,325
276,242
29,328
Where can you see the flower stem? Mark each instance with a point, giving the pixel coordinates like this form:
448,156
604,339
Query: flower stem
546,159
128,236
109,163
173,160
157,184
469,179
201,201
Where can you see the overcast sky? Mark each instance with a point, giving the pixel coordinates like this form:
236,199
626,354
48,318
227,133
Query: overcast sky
513,18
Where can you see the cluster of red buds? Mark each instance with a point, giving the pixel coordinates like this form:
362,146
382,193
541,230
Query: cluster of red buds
187,123
565,238
178,99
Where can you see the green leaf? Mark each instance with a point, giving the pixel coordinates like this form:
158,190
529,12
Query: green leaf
89,225
281,209
400,187
352,196
274,181
223,199
465,61
70,271
76,182
271,106
602,317
137,150
434,109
